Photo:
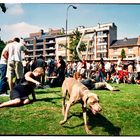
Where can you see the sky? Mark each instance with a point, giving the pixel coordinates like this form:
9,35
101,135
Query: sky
21,19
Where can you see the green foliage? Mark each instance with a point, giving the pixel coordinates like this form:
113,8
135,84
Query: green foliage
2,45
74,40
123,54
3,7
120,114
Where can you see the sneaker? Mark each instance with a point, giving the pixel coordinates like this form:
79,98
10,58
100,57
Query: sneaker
4,94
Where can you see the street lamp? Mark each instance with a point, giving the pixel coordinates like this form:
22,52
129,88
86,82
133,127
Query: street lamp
74,7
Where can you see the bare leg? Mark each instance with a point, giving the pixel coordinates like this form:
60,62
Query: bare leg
108,86
10,82
14,102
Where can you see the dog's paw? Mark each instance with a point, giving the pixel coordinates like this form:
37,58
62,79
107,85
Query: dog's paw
89,132
62,122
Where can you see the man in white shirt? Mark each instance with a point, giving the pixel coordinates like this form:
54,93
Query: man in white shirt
14,66
108,70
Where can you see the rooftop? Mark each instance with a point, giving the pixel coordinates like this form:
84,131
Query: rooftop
124,42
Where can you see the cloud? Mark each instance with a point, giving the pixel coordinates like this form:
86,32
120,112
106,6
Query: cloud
18,30
15,9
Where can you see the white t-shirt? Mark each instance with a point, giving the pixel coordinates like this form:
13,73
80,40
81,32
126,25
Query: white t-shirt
88,66
10,48
18,48
108,66
2,59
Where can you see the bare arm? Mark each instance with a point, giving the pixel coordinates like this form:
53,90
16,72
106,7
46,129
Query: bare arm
33,95
30,79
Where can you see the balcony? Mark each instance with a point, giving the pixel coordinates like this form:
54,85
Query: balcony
50,54
102,36
101,43
39,43
30,50
38,50
29,44
49,43
50,48
102,51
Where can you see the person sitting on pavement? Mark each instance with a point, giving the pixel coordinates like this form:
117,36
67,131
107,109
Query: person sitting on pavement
20,93
92,84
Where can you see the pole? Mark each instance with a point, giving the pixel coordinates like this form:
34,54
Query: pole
74,7
66,33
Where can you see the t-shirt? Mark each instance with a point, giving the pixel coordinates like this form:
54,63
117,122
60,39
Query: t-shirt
18,49
3,60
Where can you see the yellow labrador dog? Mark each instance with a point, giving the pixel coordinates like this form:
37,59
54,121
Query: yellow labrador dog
77,92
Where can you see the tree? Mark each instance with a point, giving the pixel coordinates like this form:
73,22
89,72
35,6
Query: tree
2,45
123,54
3,7
74,40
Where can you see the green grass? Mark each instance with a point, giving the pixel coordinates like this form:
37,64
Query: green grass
120,115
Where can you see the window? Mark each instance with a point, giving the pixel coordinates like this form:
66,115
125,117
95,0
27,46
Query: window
114,57
130,49
115,50
61,47
101,40
101,55
130,56
102,47
29,42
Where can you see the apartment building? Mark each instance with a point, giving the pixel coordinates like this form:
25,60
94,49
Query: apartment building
100,40
51,44
41,43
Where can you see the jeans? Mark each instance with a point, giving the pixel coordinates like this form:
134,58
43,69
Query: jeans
3,79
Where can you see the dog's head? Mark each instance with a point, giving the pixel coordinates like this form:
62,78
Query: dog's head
92,102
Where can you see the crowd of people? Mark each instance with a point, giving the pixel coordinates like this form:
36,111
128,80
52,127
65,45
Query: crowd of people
22,76
119,71
16,71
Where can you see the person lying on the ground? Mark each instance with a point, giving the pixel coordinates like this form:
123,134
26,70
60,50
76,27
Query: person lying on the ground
20,92
92,84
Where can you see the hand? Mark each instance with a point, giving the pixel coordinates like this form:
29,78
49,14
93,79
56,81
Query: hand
38,83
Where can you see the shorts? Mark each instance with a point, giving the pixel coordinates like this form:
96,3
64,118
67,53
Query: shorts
15,94
14,69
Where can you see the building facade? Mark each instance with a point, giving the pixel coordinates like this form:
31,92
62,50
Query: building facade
131,47
100,40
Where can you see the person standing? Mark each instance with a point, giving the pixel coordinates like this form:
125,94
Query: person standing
15,66
3,70
40,62
101,69
51,66
61,70
108,70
